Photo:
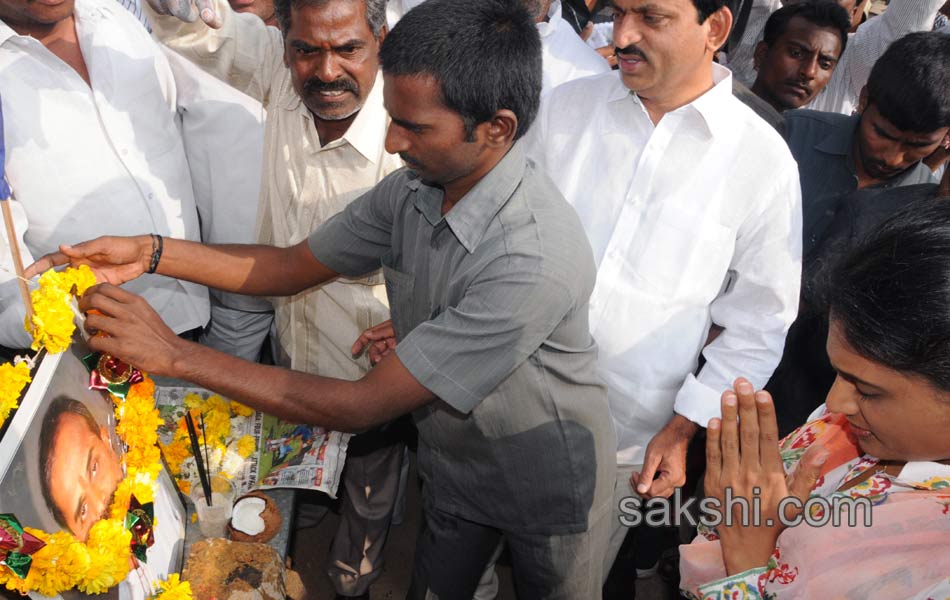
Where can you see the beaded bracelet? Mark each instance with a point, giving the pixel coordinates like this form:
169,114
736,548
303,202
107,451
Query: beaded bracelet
157,246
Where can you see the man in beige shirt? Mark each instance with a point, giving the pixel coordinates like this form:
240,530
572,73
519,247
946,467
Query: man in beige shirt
323,147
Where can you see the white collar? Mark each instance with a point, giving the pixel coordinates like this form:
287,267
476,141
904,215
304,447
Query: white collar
367,131
714,106
547,28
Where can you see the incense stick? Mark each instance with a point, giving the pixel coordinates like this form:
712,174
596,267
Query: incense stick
202,473
204,436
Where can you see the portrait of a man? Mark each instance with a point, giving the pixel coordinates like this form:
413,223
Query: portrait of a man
61,462
80,468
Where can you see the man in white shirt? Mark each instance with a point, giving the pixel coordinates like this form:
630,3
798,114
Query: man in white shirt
693,208
324,147
223,133
564,55
90,104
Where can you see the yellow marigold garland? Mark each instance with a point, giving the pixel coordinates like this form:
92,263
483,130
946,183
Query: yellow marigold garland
104,560
53,323
217,412
13,378
174,589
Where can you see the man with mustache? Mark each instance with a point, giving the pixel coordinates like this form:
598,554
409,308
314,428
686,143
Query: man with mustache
79,472
904,116
799,51
692,205
318,78
80,469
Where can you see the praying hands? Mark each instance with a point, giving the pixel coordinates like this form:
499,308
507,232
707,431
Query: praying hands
743,458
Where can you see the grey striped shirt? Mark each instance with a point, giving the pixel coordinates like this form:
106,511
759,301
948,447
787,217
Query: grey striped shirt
490,303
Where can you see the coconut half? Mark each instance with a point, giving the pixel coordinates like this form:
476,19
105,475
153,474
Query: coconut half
246,515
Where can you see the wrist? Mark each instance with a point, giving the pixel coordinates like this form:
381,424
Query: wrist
182,354
158,245
144,243
746,552
742,563
682,427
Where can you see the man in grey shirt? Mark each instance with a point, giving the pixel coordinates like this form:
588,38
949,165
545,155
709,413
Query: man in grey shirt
488,273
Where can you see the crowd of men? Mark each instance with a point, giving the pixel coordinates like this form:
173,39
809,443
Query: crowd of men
577,260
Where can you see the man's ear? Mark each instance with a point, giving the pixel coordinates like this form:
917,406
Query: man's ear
719,24
863,100
501,129
104,434
761,49
383,32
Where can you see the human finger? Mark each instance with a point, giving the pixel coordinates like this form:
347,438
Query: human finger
729,436
97,302
806,473
182,9
646,475
377,351
664,485
98,324
713,456
45,263
748,425
105,290
208,13
769,456
378,332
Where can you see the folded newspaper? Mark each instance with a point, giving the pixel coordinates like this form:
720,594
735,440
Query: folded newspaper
283,455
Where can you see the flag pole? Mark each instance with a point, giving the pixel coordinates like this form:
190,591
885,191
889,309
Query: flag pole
5,195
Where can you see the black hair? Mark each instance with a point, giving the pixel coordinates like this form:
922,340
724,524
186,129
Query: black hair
823,13
707,7
891,294
375,12
61,406
485,54
537,8
910,83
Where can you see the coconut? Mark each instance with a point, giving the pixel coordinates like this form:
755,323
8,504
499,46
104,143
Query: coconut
246,516
254,518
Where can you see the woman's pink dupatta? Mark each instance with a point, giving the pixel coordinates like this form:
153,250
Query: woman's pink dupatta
905,549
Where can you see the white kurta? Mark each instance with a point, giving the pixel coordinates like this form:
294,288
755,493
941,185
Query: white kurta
105,160
694,221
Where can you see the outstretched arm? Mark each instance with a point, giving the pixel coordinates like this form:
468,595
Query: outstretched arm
245,269
127,327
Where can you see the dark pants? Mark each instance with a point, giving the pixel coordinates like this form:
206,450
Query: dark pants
451,555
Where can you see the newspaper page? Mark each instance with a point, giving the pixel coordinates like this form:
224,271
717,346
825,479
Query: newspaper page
286,455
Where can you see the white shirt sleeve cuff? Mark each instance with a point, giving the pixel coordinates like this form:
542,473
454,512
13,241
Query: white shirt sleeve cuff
698,402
